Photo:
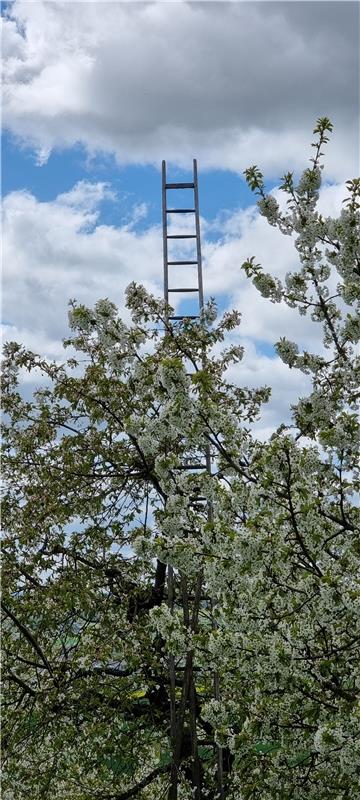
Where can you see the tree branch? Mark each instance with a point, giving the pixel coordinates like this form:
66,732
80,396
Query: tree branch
139,786
27,635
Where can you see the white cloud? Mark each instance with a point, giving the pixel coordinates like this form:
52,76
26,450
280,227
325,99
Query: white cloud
86,196
287,385
228,82
56,250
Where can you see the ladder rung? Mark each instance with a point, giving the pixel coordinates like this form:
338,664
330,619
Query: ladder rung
179,186
181,236
186,316
180,210
191,466
173,263
183,290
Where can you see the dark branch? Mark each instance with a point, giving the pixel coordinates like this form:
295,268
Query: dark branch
139,786
27,635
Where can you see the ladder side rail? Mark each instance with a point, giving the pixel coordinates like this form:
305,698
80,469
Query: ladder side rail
170,570
198,242
165,243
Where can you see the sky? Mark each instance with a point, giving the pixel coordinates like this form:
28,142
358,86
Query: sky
96,94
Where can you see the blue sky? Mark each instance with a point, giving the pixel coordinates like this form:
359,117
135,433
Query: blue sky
97,94
221,190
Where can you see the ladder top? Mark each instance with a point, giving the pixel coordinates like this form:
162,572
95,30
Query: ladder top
181,258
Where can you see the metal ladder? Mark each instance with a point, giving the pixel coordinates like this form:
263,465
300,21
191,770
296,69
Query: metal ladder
194,210
198,289
199,502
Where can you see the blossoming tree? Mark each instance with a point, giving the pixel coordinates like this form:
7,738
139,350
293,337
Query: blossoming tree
239,678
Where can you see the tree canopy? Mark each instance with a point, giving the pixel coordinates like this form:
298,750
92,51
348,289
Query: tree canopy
171,631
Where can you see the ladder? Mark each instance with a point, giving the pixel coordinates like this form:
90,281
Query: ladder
197,287
198,502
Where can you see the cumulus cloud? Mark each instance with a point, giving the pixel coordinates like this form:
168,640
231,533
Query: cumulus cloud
153,80
57,250
286,385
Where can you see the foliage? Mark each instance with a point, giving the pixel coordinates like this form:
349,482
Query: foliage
126,599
